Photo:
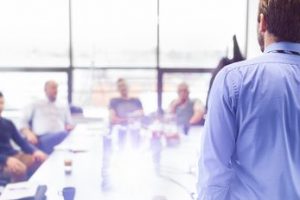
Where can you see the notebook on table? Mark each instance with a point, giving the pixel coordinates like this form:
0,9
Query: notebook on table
24,191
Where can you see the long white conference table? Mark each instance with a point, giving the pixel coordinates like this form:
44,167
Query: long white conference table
132,179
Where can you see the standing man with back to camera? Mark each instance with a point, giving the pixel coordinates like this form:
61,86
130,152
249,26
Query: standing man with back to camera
251,146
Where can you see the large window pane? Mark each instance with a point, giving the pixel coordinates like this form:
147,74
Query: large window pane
34,33
114,32
198,86
94,88
22,88
253,47
196,33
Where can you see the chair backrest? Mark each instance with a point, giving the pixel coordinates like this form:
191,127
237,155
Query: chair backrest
75,110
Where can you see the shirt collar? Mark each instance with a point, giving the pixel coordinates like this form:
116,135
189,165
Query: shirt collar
286,46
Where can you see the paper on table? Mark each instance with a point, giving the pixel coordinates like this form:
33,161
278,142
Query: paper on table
72,148
20,190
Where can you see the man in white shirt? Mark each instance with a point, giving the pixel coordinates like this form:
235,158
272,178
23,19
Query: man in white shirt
46,122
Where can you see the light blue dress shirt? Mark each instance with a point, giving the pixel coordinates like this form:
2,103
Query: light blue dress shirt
251,146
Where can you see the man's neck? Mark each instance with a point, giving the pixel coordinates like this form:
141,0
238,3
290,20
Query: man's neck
50,100
269,39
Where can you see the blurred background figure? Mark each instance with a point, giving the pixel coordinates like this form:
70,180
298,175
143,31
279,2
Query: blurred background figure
124,108
125,113
16,165
125,117
46,122
187,112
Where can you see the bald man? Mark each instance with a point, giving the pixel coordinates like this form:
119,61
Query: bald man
188,112
47,122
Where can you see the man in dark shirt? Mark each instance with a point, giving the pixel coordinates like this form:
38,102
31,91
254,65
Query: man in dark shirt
123,109
14,164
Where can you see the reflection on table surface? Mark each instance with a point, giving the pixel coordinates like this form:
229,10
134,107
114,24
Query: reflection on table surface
133,172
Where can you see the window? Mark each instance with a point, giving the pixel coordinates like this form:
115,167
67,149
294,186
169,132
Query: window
34,33
114,33
95,88
21,88
253,46
197,33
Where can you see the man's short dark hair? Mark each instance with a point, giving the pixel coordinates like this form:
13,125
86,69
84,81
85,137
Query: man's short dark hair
1,94
282,18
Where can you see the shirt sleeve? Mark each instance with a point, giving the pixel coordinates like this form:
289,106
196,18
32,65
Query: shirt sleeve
112,104
198,105
68,117
3,159
219,141
19,140
27,116
139,104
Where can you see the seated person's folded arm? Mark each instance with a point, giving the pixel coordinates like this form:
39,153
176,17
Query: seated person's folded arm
30,136
25,128
173,106
26,147
115,119
137,114
199,111
69,125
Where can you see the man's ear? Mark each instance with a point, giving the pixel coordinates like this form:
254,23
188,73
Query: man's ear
262,26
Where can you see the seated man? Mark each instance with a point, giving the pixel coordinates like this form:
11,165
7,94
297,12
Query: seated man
188,112
46,122
16,165
125,110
